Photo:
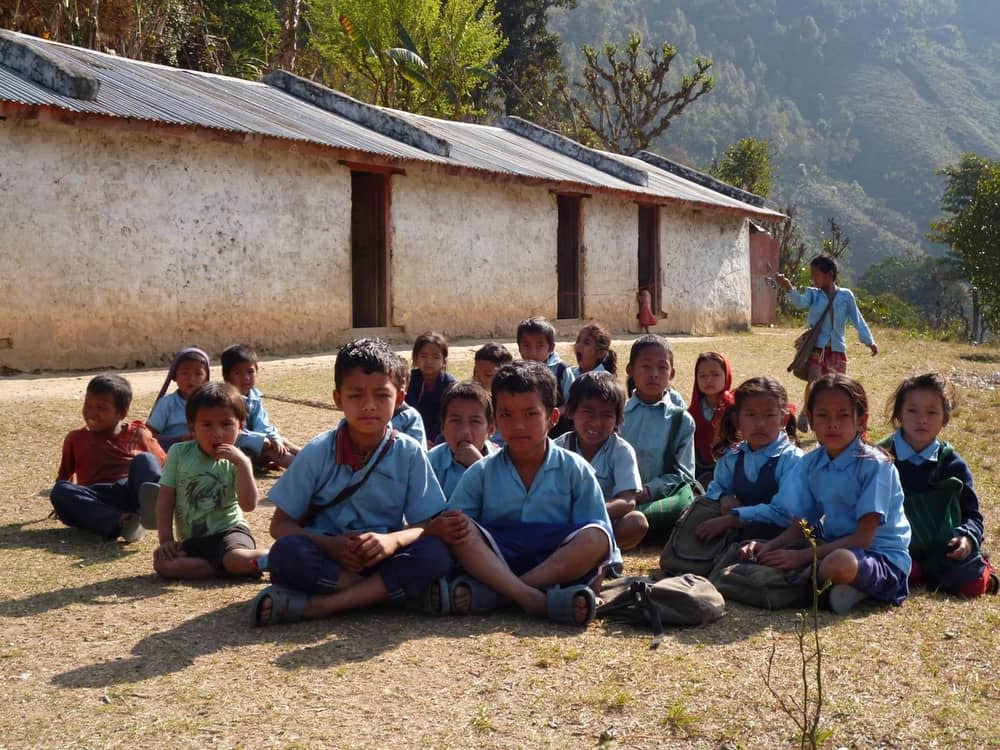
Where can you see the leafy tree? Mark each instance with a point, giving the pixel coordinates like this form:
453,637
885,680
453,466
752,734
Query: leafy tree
625,102
529,65
963,179
932,286
422,56
746,164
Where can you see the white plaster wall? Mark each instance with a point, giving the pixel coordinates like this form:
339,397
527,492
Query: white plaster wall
610,261
120,248
470,257
705,265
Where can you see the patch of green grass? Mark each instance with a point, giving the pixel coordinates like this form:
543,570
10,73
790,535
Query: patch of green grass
481,721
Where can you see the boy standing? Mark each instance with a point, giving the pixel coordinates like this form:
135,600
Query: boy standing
207,484
466,421
540,518
341,541
110,459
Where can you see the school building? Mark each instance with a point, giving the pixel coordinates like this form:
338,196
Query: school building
147,208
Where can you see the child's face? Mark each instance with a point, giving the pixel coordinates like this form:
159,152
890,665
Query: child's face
588,356
835,420
190,375
524,421
465,424
214,426
534,346
594,420
483,372
652,373
711,378
430,361
922,418
821,279
368,400
760,420
243,375
100,413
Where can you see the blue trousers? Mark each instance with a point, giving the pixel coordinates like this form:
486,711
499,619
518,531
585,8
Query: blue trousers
297,562
99,507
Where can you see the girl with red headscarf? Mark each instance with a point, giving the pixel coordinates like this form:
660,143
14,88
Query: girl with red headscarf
712,395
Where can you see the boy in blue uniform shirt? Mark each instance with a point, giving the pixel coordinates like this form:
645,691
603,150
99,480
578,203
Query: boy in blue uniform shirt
346,508
466,422
541,531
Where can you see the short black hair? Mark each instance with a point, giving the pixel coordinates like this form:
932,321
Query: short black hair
234,355
497,354
525,376
824,264
112,385
603,386
430,337
369,355
466,390
537,325
212,394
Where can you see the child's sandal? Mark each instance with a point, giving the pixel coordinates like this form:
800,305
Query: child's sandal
560,604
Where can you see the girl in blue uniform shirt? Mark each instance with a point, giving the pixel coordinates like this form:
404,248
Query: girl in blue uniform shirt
761,457
849,491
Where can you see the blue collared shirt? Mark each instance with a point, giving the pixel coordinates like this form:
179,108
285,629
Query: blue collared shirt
401,490
258,427
576,370
646,427
553,363
168,417
845,308
408,421
753,461
904,452
614,464
449,471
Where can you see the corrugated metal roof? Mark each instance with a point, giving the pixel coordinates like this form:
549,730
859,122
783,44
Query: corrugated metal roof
156,93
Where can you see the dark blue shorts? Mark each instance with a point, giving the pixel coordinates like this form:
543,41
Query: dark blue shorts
525,545
878,578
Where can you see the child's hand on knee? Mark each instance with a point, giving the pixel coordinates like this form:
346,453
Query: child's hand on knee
451,527
343,549
167,551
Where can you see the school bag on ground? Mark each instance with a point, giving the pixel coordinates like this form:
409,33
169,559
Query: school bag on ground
678,600
686,553
761,585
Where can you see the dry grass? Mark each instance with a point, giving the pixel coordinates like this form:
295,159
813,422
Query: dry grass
96,652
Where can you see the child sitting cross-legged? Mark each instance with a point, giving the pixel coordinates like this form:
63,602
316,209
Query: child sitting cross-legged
347,510
711,397
466,423
207,484
541,531
751,471
110,460
258,437
168,420
596,405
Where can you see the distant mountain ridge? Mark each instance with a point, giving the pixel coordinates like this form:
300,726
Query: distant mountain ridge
863,100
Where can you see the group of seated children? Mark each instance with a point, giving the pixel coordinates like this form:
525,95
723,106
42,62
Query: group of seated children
365,514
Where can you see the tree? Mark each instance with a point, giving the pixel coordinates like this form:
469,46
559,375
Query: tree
746,164
421,56
625,102
529,65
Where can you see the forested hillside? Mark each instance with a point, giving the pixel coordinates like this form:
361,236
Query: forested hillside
863,100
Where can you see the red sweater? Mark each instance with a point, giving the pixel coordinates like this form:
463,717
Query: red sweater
98,459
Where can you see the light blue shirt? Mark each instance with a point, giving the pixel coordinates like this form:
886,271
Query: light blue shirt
408,421
833,494
845,308
553,363
168,418
258,426
447,470
614,464
904,452
676,398
646,427
402,489
723,482
577,373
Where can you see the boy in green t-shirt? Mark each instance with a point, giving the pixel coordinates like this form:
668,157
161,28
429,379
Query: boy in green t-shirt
207,484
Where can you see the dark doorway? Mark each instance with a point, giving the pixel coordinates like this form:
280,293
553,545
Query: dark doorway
369,249
649,253
568,261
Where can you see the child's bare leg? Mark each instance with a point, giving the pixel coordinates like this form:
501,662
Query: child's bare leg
630,529
186,567
481,562
243,562
353,592
840,566
572,561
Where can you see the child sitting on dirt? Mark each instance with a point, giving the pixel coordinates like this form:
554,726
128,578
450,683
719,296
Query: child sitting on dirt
711,396
428,379
489,358
542,531
168,419
466,423
536,341
258,437
110,460
408,421
207,484
341,538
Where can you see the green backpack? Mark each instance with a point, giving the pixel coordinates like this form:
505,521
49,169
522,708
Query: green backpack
686,553
761,585
678,600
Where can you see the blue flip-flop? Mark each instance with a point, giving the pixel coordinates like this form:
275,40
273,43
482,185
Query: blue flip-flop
425,602
286,605
560,604
482,599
